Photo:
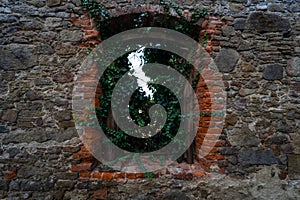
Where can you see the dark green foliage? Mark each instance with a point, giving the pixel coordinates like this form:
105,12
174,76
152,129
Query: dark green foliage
110,26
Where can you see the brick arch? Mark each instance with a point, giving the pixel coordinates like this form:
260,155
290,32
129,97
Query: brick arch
90,168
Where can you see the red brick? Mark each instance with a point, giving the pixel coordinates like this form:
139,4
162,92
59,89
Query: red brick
198,174
119,175
84,175
81,167
130,175
10,175
107,176
92,32
215,157
222,170
139,175
97,175
81,22
82,155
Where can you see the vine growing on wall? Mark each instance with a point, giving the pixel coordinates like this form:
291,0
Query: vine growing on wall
140,103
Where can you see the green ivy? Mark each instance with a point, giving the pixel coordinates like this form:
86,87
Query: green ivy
163,96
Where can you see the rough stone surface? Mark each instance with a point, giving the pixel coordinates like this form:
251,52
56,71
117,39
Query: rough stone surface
256,47
273,72
293,68
294,162
227,59
53,3
256,157
10,116
263,22
3,129
16,57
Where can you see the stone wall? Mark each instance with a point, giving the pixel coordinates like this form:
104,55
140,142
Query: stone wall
256,46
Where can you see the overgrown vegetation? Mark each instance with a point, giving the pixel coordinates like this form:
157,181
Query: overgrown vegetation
139,102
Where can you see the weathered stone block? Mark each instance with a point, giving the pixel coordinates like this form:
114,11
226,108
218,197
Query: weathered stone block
243,137
273,7
70,36
256,157
10,116
17,56
4,18
63,77
3,129
263,22
227,59
33,95
100,194
294,166
273,72
239,24
4,184
293,67
38,135
51,3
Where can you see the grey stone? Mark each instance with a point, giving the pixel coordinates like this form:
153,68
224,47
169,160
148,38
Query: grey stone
227,59
245,46
63,116
175,195
26,172
296,143
53,22
66,184
277,139
33,95
256,157
231,119
43,196
32,24
5,10
37,3
4,18
17,56
273,72
66,175
38,135
13,152
4,184
66,49
243,137
10,116
236,7
3,129
294,166
227,150
43,82
77,2
293,67
64,135
267,22
261,7
63,77
45,49
295,8
70,36
51,3
7,75
245,92
228,31
239,24
76,194
240,104
273,7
